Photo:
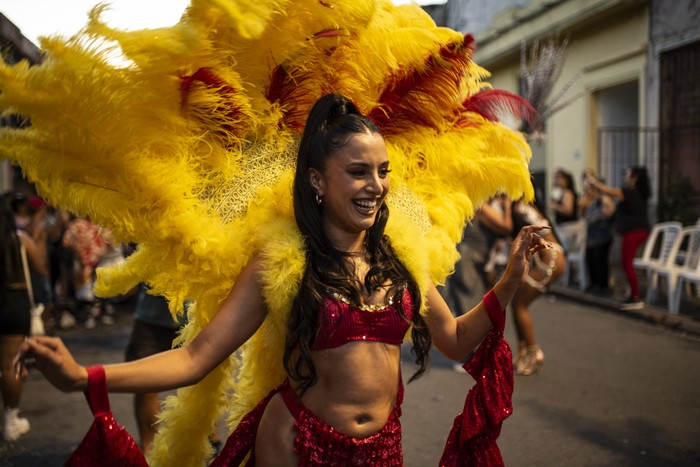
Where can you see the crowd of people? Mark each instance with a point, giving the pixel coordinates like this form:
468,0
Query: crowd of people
484,252
603,209
71,249
49,259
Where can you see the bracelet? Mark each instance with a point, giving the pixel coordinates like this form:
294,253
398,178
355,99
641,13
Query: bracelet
95,374
96,392
495,311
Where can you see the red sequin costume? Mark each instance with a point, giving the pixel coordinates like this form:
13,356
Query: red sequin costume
190,149
472,440
316,442
342,323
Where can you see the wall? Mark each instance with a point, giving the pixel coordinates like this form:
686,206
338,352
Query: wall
14,47
607,48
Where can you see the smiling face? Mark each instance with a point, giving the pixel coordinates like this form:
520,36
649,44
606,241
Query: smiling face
352,186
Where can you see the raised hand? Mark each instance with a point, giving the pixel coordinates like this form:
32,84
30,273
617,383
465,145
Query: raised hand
525,244
50,356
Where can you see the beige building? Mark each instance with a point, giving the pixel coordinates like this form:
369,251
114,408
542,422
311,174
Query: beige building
14,47
634,69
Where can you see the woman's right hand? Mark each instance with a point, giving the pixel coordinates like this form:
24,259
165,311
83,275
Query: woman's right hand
50,356
526,243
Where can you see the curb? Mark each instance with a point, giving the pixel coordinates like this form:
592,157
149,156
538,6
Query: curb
650,313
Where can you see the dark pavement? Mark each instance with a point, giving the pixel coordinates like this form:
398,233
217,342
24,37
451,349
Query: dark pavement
615,391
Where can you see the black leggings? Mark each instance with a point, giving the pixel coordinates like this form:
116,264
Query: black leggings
14,312
597,262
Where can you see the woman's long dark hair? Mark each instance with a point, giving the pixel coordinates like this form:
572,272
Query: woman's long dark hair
568,179
642,184
331,123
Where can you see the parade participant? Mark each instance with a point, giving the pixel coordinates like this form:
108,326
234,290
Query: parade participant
548,266
189,149
355,303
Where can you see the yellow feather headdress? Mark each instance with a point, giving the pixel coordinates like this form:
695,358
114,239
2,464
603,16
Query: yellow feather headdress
187,146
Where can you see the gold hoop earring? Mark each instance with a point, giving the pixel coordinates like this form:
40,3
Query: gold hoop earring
319,200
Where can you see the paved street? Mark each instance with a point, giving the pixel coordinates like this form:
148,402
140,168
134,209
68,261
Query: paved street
615,391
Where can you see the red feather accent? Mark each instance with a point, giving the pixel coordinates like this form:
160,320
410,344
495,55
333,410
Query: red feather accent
295,98
232,114
437,84
278,81
206,76
494,103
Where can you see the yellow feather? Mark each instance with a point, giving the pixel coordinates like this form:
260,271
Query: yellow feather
200,176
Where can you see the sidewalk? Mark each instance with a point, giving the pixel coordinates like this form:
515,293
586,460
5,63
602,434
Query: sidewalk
688,320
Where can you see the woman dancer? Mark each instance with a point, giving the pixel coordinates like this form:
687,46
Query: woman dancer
356,300
548,266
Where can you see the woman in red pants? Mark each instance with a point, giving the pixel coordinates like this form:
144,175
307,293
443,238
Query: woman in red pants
632,223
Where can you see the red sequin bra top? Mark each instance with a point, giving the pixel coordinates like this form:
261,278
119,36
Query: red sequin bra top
342,322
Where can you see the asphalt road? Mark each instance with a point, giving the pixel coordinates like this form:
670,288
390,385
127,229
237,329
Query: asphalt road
614,391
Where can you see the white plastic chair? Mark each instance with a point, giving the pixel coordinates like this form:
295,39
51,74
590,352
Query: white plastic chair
656,250
689,272
683,258
573,236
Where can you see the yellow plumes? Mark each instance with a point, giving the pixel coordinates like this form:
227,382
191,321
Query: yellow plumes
187,144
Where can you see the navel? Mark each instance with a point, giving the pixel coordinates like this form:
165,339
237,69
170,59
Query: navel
362,419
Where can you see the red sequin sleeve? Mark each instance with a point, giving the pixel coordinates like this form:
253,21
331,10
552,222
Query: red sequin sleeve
472,440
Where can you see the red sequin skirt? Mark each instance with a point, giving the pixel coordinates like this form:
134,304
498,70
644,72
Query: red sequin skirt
316,442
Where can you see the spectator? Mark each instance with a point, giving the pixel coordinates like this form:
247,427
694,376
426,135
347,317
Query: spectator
112,255
37,227
55,221
499,219
465,287
14,314
597,209
88,245
564,198
632,223
20,210
469,281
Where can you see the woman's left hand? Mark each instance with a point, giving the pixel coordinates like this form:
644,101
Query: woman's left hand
527,242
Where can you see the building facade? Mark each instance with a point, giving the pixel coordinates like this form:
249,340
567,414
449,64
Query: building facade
14,48
634,99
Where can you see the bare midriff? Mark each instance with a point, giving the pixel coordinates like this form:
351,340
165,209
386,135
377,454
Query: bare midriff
356,388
